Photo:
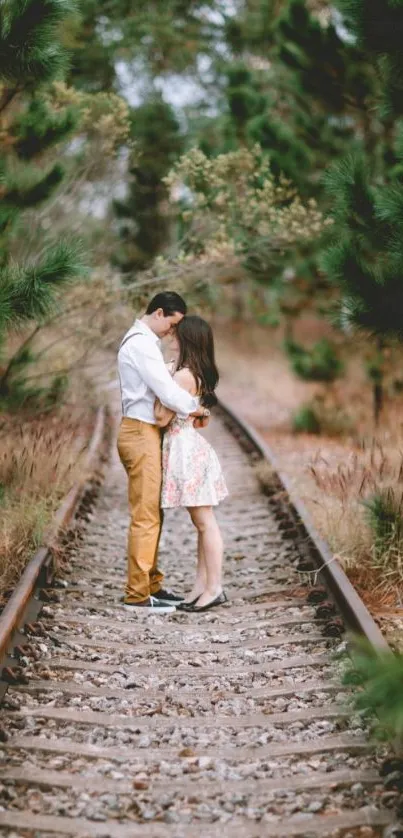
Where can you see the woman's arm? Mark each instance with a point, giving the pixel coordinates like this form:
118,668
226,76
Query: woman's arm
185,380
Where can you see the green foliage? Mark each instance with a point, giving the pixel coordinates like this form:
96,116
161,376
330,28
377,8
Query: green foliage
30,50
352,195
288,154
378,25
28,292
237,209
320,363
304,94
39,127
385,517
26,187
366,258
31,56
21,395
379,677
155,38
143,225
245,100
305,421
304,45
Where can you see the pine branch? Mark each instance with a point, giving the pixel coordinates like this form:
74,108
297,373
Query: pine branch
380,678
40,127
29,47
8,95
27,292
14,359
27,187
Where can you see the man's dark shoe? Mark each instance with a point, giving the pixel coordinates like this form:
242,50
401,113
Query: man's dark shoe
149,606
167,597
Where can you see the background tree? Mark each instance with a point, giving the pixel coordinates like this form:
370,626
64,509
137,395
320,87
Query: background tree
150,39
30,57
38,116
366,258
144,223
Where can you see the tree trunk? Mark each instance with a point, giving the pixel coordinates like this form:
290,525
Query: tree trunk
378,379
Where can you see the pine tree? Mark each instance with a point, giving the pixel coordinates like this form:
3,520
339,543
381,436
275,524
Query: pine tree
366,258
299,91
314,87
152,39
30,58
143,221
253,119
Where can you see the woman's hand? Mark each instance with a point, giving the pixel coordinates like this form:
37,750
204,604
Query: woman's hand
201,421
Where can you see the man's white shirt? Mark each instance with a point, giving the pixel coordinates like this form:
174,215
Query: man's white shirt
143,376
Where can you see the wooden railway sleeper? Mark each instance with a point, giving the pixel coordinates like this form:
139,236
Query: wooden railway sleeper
325,610
48,595
14,675
317,594
334,628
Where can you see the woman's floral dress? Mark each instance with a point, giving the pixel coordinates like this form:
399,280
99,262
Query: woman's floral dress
191,472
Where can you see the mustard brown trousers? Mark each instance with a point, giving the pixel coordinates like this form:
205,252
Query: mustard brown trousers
139,446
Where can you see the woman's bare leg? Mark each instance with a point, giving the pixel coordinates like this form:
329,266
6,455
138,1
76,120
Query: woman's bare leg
199,584
212,547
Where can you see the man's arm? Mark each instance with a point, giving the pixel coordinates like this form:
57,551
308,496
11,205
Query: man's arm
152,369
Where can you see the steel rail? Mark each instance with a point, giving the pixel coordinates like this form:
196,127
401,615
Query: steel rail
13,613
349,602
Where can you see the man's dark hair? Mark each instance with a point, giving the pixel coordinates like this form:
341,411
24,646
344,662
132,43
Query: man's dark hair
169,301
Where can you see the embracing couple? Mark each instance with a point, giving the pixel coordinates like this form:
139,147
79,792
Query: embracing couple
168,463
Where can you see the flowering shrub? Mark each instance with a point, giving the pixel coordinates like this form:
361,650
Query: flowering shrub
103,117
233,202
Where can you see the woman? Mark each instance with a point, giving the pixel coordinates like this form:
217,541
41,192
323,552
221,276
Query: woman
192,475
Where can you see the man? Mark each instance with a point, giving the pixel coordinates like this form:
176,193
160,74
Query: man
143,377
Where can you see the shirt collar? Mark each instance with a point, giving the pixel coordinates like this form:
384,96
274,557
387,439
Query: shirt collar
142,327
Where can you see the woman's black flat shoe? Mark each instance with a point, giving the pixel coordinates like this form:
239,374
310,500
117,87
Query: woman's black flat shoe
219,600
184,606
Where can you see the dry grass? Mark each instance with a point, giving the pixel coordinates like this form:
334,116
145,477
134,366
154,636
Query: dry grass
75,340
334,473
342,515
39,461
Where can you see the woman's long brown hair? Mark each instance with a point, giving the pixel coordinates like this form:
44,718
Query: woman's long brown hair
196,352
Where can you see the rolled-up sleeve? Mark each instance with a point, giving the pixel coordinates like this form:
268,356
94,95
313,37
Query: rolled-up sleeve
155,374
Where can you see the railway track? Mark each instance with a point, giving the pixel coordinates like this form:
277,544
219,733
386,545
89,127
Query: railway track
232,723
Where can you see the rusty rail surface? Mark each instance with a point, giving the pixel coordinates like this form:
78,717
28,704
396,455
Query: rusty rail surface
350,604
13,613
